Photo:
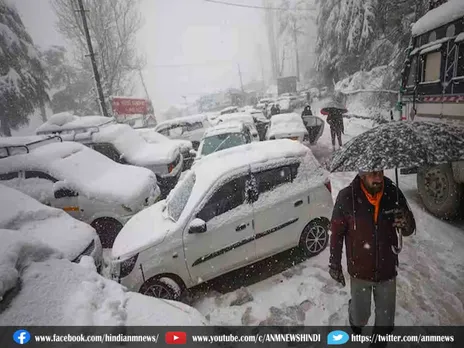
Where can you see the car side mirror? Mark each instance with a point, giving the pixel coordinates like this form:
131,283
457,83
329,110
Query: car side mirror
197,226
65,192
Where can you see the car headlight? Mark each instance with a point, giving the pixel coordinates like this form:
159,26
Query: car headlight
126,208
127,266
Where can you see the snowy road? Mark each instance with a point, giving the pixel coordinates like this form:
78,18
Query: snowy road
285,290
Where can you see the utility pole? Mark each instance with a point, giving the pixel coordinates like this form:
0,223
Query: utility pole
143,84
101,97
240,75
295,39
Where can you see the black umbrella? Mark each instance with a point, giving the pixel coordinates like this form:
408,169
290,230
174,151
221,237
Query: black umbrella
401,144
333,106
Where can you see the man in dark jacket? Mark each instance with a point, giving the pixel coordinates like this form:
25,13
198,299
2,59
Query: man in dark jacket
307,111
366,215
275,109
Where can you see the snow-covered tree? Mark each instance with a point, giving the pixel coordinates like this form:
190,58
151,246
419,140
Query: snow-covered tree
355,35
113,27
23,83
73,88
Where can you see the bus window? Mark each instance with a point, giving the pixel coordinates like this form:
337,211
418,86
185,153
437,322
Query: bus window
431,65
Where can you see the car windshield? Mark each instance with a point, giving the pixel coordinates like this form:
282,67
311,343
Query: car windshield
179,196
221,142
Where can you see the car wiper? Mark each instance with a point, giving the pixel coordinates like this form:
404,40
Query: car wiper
219,146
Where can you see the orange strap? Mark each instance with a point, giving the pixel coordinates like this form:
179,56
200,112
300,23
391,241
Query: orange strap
374,200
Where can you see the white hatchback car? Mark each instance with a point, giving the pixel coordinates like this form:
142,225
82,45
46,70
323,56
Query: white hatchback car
233,208
244,117
288,126
84,183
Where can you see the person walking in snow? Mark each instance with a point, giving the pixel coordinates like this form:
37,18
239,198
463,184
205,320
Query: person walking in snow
274,110
335,121
307,111
366,216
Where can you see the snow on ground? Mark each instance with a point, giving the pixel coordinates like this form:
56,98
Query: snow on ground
429,286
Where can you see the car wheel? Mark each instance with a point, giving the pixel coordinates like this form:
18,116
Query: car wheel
439,192
107,229
164,288
314,238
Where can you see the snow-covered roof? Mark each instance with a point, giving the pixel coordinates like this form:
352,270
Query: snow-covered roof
229,108
290,123
214,167
181,120
244,117
223,128
89,172
443,14
151,136
36,221
459,38
56,292
66,121
435,43
135,149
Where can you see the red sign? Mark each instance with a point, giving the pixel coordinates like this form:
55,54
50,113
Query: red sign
129,106
176,337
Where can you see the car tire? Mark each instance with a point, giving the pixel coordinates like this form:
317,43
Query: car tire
314,238
439,192
107,229
164,288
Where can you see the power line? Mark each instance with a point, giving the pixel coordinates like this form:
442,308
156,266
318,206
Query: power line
257,7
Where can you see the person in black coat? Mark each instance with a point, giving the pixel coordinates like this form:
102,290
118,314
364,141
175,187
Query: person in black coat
335,121
307,111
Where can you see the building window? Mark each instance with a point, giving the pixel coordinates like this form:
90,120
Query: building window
451,30
412,72
431,66
433,36
460,68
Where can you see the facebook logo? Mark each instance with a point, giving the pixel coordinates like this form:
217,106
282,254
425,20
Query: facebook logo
21,336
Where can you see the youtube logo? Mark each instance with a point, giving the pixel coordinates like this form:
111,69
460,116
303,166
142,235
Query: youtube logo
177,337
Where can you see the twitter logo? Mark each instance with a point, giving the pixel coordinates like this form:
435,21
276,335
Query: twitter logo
337,337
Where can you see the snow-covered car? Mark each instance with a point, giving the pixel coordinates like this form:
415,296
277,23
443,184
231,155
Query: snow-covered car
185,146
285,104
287,126
53,227
262,104
84,183
243,117
261,122
229,110
189,128
233,208
119,142
38,288
223,136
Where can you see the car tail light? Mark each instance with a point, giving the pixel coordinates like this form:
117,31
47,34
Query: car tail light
127,266
329,186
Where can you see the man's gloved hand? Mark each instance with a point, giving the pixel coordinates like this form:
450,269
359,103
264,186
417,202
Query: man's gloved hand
336,273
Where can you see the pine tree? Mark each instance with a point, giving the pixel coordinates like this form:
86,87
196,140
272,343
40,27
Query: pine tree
23,85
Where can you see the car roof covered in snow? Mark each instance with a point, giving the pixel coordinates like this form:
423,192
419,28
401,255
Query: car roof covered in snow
443,14
89,172
36,221
58,292
224,128
286,123
182,120
212,168
135,149
65,121
244,117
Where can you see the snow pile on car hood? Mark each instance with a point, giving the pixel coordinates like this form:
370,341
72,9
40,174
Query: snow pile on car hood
154,137
446,13
35,221
57,292
17,252
135,149
89,172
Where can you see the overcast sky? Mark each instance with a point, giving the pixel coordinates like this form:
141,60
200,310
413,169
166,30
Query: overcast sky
210,39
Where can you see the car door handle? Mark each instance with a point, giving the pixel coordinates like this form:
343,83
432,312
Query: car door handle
240,227
298,203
